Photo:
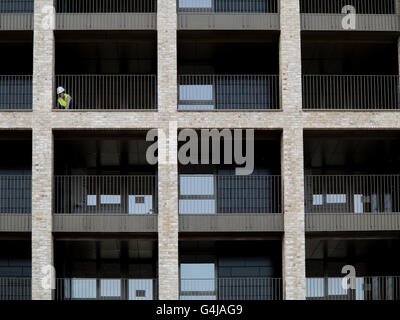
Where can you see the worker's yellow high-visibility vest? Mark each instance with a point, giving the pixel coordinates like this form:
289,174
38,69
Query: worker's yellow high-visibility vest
63,102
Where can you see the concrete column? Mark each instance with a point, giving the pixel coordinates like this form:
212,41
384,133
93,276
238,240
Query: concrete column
42,238
42,149
397,6
290,56
168,228
293,245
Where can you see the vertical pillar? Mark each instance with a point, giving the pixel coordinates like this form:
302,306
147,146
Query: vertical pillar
42,148
293,245
397,7
168,228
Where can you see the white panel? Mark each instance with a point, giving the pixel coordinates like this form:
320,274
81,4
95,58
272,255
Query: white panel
317,199
188,206
358,203
195,4
196,107
110,199
196,185
336,198
110,287
83,288
146,207
203,92
145,285
91,200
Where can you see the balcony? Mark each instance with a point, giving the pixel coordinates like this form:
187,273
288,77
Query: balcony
366,288
352,203
351,92
15,203
106,15
328,15
228,92
231,289
15,92
105,204
16,15
15,288
219,203
228,15
109,92
105,289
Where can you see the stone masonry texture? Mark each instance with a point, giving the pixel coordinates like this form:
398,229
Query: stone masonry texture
291,120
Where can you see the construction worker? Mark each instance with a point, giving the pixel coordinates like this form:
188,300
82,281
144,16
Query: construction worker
64,99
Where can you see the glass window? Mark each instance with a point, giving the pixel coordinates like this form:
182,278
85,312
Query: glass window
110,288
204,4
83,288
198,281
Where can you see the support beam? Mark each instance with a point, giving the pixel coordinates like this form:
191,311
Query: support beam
168,272
293,245
42,148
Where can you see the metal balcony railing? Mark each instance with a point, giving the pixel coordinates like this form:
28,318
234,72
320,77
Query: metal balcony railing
105,194
15,92
352,194
351,92
109,92
16,6
105,289
336,6
250,288
228,6
365,288
220,194
106,6
15,289
15,194
228,92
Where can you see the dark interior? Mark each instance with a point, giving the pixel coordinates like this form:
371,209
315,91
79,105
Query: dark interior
352,152
106,53
226,53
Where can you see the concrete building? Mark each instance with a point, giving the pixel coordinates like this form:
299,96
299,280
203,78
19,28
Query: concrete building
320,87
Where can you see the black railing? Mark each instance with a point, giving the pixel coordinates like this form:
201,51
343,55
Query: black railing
109,92
15,92
15,194
15,288
250,288
352,194
362,288
336,6
228,6
16,6
105,289
105,194
224,194
106,6
228,92
360,92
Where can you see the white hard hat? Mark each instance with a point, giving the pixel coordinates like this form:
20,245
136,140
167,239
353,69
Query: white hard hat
60,90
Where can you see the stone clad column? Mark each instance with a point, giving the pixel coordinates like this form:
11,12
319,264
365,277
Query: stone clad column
168,228
42,149
293,245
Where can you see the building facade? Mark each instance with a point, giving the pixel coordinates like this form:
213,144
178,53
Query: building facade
317,82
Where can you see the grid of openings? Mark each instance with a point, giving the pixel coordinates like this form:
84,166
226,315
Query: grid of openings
15,92
338,6
16,6
104,6
244,6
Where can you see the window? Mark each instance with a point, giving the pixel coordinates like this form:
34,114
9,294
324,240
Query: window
197,194
198,281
